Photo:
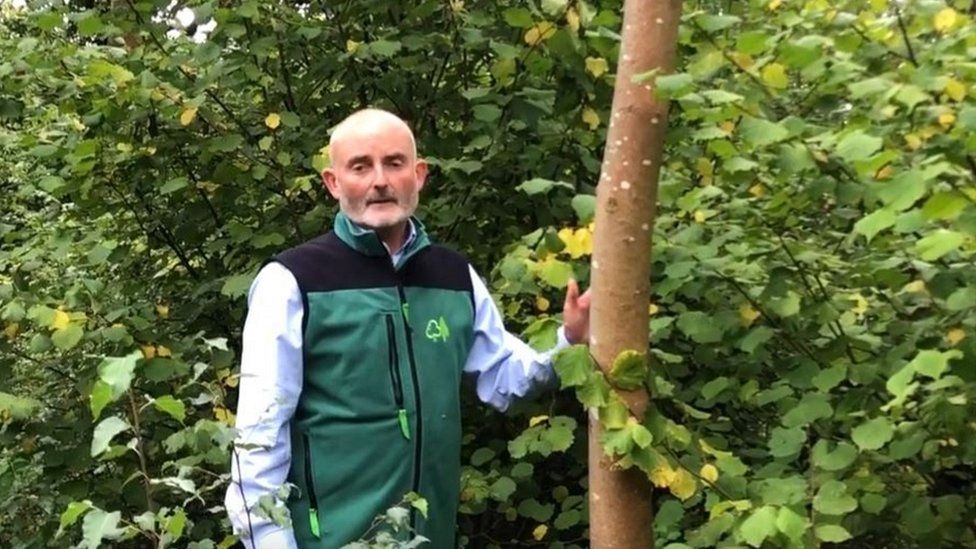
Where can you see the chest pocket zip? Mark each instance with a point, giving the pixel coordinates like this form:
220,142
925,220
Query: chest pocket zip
395,380
313,504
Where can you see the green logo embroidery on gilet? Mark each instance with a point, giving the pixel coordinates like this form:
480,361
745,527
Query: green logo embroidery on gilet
437,329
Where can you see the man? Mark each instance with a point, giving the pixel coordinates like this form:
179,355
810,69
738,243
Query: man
353,351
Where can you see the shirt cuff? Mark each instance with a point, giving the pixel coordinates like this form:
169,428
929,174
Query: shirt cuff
561,341
279,538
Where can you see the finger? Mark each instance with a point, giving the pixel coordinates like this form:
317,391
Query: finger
572,292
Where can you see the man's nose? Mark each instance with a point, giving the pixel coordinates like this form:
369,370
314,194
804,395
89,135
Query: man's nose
381,178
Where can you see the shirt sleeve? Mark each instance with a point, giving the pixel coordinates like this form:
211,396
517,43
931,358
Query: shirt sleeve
506,367
270,383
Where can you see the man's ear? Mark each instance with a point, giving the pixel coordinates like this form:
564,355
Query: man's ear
420,170
330,182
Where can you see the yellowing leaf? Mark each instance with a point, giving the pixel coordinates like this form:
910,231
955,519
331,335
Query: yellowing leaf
728,127
652,309
916,287
774,75
699,216
573,19
187,116
541,303
884,173
773,4
148,352
945,19
163,351
954,336
913,141
61,320
272,121
955,90
352,46
596,66
539,33
683,485
747,314
578,243
590,118
540,532
11,330
537,420
662,475
709,472
743,60
162,310
224,416
947,119
757,190
860,305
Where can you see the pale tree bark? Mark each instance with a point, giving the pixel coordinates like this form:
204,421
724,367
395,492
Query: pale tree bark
620,501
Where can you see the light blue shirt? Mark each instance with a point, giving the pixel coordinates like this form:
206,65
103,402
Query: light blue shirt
505,368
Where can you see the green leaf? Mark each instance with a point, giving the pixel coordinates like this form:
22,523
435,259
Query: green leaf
832,533
933,363
944,205
236,285
700,327
100,397
502,489
584,205
90,24
172,406
760,525
615,414
117,372
786,442
713,23
174,185
791,524
875,222
539,186
783,491
573,365
518,17
175,524
567,519
19,408
841,457
873,503
67,337
536,511
832,499
873,434
714,387
674,86
903,190
629,370
486,113
759,132
104,432
857,146
786,306
938,243
812,406
384,48
99,525
71,515
555,273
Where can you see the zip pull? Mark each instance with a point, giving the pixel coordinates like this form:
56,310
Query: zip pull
404,423
313,521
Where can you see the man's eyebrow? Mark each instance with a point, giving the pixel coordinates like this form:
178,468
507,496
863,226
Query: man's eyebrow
394,156
363,158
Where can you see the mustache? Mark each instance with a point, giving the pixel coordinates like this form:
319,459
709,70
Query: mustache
381,197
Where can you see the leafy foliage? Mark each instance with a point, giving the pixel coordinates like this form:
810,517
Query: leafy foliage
812,325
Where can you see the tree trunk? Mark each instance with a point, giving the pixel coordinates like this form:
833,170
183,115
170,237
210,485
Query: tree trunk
620,501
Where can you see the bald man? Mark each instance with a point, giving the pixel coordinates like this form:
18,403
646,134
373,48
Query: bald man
353,351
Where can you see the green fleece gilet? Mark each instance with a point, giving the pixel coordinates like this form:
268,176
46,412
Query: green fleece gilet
384,347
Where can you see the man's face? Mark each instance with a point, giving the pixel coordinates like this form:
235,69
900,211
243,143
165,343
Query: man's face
375,174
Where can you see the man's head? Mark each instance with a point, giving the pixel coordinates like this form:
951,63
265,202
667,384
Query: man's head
375,174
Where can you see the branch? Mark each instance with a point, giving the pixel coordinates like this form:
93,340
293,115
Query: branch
904,35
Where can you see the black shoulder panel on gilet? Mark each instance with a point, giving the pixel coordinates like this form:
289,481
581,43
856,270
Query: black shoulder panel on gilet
326,263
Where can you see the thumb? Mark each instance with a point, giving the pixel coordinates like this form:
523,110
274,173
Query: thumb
584,300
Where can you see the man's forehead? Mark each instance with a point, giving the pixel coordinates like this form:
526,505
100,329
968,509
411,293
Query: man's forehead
371,130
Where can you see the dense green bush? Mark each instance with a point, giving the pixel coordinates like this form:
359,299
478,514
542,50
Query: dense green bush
813,356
